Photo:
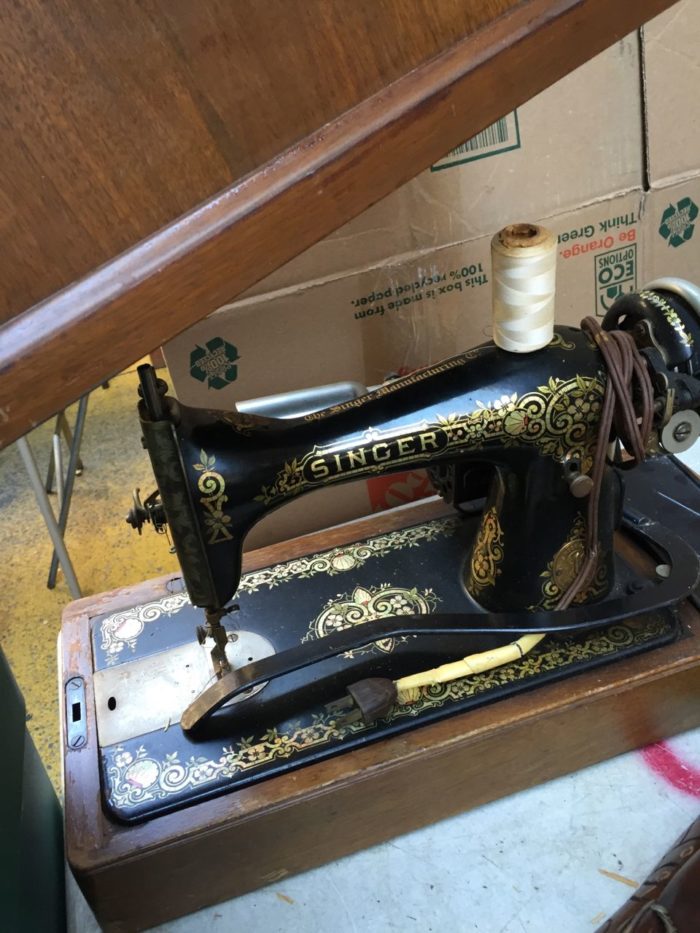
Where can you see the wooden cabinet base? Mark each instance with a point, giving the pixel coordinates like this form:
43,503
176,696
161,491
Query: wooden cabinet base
140,875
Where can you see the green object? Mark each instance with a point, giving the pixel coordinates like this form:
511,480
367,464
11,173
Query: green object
678,222
214,363
615,275
32,881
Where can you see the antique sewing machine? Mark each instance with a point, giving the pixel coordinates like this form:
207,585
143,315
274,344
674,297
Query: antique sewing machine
235,680
511,441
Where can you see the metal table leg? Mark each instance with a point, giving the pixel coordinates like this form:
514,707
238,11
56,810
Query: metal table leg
47,513
67,491
61,427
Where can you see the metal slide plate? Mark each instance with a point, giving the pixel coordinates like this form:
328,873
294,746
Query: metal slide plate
149,694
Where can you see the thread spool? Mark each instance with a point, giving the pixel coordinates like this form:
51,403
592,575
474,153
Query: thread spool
523,263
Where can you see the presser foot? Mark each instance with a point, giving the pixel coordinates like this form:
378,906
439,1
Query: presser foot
215,630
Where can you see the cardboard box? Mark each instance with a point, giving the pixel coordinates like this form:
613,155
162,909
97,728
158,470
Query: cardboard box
394,317
671,59
671,234
408,282
576,142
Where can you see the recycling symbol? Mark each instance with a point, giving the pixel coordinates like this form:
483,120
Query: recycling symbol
677,222
214,363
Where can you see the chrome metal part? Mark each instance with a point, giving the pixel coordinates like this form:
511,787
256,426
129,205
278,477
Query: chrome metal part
681,287
76,719
580,485
151,693
681,431
302,401
54,528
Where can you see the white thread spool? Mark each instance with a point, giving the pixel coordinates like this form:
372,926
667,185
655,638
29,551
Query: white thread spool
523,264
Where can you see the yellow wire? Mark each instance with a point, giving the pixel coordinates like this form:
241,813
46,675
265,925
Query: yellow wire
408,688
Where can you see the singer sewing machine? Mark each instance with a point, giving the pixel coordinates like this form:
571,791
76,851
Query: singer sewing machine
266,688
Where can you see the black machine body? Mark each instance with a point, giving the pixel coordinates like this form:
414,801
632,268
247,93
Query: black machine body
517,432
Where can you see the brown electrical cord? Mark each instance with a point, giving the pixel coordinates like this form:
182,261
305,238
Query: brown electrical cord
628,383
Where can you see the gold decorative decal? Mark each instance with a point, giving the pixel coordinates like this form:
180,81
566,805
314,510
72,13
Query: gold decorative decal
213,488
561,571
367,604
241,422
670,314
136,775
371,453
558,341
557,419
394,385
347,557
487,553
122,629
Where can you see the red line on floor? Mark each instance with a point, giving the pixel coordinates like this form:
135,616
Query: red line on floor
664,762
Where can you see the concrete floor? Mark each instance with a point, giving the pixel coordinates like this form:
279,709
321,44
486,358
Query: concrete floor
534,861
105,551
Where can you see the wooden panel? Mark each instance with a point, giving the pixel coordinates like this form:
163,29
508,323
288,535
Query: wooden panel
118,116
61,348
145,874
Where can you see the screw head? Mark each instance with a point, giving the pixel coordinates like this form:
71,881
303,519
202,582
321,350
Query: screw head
682,431
78,741
580,485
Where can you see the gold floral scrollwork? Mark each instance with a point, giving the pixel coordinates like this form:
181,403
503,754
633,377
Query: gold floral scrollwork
561,571
136,775
558,341
241,422
122,629
349,557
367,604
213,489
558,419
674,320
487,553
289,482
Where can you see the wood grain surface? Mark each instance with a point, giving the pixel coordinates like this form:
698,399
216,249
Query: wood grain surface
148,873
118,117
